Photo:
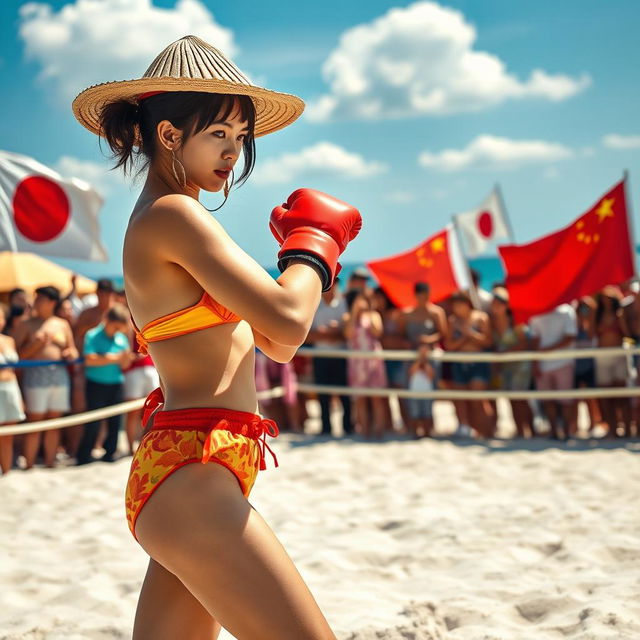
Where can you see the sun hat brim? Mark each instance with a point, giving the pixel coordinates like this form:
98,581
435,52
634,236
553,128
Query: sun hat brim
274,110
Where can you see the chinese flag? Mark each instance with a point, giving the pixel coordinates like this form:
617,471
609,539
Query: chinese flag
593,251
437,261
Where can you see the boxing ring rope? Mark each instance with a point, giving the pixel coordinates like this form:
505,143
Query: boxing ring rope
441,355
436,355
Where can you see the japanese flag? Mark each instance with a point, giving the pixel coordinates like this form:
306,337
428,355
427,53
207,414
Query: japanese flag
483,225
43,213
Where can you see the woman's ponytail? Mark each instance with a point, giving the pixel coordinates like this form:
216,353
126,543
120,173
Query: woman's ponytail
120,121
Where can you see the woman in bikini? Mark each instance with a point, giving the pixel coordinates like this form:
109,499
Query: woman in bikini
203,304
470,331
612,371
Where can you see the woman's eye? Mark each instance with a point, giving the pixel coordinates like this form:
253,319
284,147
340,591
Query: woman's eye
219,134
241,137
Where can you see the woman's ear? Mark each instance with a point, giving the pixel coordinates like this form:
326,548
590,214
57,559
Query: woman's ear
169,137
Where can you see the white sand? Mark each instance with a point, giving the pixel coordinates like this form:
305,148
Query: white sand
417,540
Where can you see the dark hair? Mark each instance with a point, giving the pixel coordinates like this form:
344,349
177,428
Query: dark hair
13,292
191,111
461,296
350,297
104,284
53,293
118,313
389,302
421,287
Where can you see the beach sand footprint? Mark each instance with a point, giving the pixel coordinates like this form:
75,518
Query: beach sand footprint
423,622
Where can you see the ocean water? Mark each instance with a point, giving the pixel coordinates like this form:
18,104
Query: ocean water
489,268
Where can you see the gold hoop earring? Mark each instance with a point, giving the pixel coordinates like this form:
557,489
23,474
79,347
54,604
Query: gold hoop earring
226,189
227,186
182,183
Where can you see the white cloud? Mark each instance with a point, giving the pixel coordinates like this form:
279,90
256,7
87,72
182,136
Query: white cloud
420,60
97,175
493,152
615,141
401,197
92,41
323,158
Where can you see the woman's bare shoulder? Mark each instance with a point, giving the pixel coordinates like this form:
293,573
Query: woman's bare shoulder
175,219
167,207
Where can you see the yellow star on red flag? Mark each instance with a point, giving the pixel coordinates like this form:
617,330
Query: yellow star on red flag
605,210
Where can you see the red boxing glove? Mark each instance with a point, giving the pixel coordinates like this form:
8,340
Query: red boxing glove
315,226
279,240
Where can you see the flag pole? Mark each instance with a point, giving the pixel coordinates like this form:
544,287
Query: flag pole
473,292
512,236
625,178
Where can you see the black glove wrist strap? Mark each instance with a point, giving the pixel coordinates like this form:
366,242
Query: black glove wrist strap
326,274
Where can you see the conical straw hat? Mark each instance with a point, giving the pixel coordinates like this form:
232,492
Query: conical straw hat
190,64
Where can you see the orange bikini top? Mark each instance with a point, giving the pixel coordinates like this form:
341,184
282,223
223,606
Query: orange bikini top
202,315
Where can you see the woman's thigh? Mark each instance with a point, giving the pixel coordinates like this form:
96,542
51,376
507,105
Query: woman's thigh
167,609
201,528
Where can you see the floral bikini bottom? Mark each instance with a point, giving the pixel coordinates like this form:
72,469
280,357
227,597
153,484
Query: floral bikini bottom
234,439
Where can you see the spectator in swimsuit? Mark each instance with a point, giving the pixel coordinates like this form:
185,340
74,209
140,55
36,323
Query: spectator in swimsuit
363,331
426,324
46,388
20,306
585,373
469,331
512,376
283,409
631,312
612,371
556,330
70,436
89,318
11,404
421,378
392,338
327,333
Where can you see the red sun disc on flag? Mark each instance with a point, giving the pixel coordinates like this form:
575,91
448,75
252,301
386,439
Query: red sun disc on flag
485,224
40,208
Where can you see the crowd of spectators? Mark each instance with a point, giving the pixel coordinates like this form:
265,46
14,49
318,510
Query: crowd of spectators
92,341
364,318
84,357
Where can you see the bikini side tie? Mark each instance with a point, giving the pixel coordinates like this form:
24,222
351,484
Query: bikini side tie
255,430
154,401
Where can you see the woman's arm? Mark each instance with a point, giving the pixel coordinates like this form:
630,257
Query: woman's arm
443,325
348,325
98,360
282,310
451,343
482,335
624,327
376,324
69,352
277,352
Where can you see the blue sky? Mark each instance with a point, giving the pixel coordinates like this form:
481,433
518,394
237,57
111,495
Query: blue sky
539,97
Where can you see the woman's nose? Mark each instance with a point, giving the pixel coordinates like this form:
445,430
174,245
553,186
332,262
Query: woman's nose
232,151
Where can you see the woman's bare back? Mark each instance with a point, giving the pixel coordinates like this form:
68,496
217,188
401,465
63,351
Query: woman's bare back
211,367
